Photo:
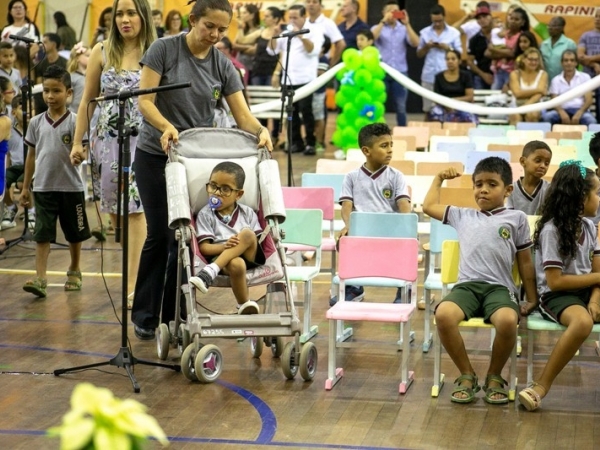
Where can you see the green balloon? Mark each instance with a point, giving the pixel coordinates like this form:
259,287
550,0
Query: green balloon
337,138
379,110
376,87
341,73
351,112
341,121
340,98
363,99
363,78
352,58
378,73
361,122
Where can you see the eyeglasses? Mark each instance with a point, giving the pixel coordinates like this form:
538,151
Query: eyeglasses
225,191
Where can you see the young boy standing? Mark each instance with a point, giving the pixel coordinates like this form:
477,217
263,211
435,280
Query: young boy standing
490,239
529,190
7,62
15,168
227,233
374,187
59,191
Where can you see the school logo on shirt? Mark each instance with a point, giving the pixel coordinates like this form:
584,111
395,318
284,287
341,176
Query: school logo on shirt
66,139
216,91
504,233
387,193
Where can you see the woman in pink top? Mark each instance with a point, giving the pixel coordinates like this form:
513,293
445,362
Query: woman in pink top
504,54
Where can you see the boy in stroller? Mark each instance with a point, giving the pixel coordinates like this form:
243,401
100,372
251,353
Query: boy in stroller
227,235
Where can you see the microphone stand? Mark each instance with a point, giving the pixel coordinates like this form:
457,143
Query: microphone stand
26,105
287,95
124,357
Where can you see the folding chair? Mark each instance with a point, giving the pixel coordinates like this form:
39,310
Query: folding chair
303,227
449,275
473,159
379,225
315,198
361,262
334,180
541,126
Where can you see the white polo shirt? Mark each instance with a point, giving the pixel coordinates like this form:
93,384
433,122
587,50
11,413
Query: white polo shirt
559,85
328,28
303,65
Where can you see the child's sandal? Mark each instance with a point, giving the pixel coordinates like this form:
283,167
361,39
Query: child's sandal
73,284
529,397
36,286
469,391
491,391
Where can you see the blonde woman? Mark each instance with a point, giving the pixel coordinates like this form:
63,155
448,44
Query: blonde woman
114,64
529,84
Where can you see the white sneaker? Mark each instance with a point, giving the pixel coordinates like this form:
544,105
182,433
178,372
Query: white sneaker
8,219
250,307
31,220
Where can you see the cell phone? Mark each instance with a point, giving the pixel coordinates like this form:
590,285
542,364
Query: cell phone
399,15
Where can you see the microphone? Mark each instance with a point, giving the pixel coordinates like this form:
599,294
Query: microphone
128,93
16,37
291,34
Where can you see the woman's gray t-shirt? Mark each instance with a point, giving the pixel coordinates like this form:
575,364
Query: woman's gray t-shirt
211,78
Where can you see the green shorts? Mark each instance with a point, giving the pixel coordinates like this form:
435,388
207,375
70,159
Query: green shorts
481,299
68,208
552,304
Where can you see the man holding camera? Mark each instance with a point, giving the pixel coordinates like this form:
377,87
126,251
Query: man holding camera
392,34
435,40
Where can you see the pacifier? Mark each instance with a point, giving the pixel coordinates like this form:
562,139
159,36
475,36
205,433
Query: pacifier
214,202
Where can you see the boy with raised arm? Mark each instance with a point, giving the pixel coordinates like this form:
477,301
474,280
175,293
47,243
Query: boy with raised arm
490,238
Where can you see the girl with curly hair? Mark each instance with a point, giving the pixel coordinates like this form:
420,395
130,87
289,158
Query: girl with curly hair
567,267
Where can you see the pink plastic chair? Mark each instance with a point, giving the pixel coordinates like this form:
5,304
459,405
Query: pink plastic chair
372,261
314,198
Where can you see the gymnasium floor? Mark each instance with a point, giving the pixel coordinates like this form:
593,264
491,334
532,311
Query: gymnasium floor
252,405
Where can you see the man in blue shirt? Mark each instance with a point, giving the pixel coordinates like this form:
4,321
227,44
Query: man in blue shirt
435,40
352,24
391,38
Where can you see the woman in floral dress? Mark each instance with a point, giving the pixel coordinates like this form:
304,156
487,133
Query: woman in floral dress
113,66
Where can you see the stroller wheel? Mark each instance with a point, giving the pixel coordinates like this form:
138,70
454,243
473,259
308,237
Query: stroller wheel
277,346
188,362
256,346
163,338
209,363
308,361
288,361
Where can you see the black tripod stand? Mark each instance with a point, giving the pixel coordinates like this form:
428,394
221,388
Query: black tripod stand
124,357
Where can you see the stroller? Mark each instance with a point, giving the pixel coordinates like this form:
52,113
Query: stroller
187,172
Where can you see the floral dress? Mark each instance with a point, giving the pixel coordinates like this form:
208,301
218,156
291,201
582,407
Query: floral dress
106,146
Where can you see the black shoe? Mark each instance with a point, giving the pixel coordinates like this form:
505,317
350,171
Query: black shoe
310,150
144,334
202,281
296,148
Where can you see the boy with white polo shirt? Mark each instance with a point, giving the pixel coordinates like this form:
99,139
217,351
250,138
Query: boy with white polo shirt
374,187
490,239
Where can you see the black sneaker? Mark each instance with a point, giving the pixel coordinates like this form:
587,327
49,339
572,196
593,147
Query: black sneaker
143,334
296,148
353,294
202,281
310,150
